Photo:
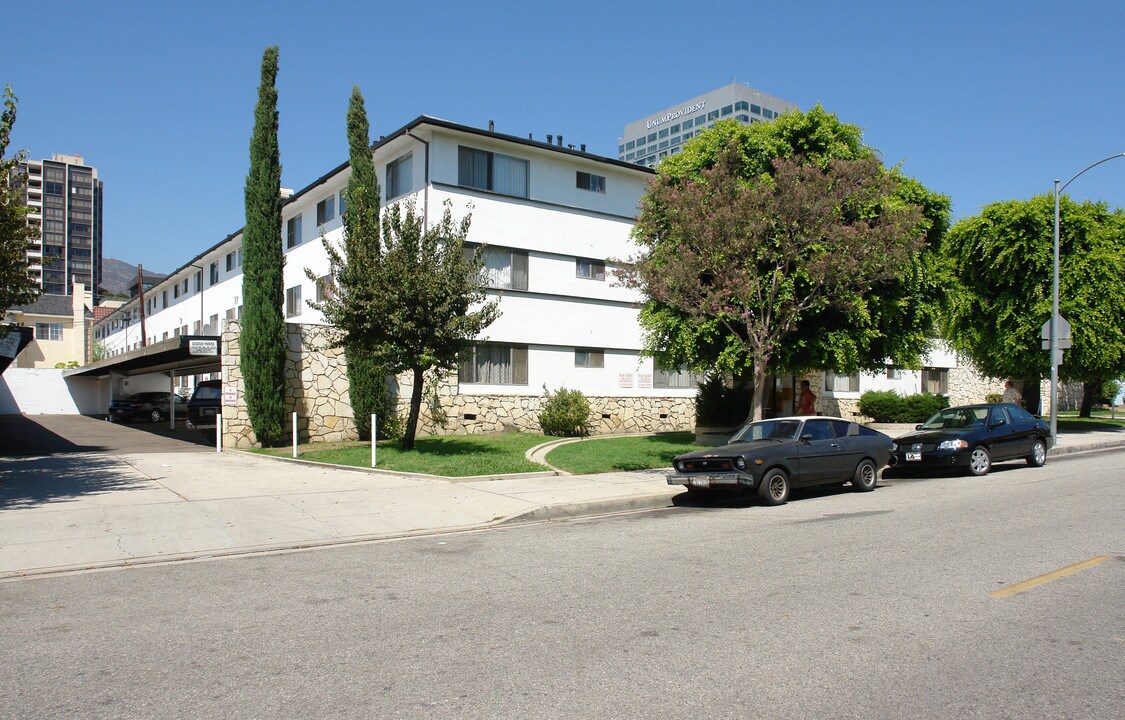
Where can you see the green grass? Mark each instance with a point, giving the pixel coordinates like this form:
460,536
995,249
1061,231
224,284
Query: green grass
1075,424
596,455
449,456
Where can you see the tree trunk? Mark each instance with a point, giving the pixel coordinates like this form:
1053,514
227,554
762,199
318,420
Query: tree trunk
1091,389
760,377
415,409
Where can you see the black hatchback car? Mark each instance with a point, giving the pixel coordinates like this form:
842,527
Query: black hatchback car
973,437
772,456
154,406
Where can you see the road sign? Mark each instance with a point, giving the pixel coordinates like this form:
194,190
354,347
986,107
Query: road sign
1063,329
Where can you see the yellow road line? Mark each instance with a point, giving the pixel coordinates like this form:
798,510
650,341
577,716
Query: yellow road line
1026,585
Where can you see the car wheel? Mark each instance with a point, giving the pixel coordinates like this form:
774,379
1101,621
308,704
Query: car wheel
1038,456
866,476
155,415
774,487
980,462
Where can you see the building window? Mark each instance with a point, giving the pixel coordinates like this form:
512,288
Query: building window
742,105
325,211
163,298
894,373
324,288
293,232
230,261
841,383
727,110
184,286
175,291
589,358
492,171
680,377
935,381
48,331
663,132
400,174
199,281
293,301
756,109
589,181
652,137
504,269
494,364
343,202
589,269
214,274
700,120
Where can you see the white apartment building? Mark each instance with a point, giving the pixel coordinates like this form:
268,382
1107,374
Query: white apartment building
553,219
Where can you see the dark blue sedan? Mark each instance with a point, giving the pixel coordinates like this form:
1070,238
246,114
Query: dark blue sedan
973,437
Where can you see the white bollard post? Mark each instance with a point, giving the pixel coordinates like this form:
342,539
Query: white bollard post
219,432
372,439
294,434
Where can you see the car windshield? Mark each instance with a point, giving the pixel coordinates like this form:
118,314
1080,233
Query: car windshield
768,430
957,418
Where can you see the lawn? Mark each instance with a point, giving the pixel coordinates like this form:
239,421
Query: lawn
598,455
449,456
469,455
1071,423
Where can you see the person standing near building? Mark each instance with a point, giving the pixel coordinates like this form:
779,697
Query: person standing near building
806,401
1011,395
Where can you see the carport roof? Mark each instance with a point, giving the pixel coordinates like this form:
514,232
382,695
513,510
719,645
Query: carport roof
184,355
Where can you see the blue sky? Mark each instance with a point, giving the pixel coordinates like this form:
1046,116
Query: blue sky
982,101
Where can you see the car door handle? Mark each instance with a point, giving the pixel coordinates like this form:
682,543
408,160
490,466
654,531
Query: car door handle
835,445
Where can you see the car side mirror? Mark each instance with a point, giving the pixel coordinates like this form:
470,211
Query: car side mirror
918,427
999,423
806,437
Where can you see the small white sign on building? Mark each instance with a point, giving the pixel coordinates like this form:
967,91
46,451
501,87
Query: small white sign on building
644,380
230,395
625,380
203,347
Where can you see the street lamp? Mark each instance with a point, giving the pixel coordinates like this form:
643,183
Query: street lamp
1055,350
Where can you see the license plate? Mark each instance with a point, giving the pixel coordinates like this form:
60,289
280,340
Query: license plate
701,482
912,456
209,412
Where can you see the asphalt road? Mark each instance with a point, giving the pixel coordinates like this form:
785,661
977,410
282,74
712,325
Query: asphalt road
901,603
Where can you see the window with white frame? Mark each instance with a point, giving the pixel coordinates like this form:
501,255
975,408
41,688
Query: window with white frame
935,380
589,358
325,288
679,377
325,210
293,231
230,261
400,174
492,171
494,364
589,181
199,281
894,373
184,286
213,274
48,331
343,202
589,269
504,268
834,382
175,291
293,301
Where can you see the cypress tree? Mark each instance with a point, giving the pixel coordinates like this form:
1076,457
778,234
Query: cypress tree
263,340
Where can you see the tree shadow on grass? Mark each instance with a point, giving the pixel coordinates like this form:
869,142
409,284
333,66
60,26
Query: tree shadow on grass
1078,427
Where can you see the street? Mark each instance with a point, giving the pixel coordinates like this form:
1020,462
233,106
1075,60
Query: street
837,604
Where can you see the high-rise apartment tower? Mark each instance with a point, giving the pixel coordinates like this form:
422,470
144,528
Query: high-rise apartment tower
65,197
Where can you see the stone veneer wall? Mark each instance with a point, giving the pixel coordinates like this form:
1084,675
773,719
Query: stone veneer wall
316,387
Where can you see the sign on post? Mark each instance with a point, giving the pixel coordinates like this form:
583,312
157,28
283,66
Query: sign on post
1062,333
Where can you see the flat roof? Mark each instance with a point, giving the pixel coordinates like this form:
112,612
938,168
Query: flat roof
185,355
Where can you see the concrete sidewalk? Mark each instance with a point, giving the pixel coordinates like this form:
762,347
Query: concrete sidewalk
86,510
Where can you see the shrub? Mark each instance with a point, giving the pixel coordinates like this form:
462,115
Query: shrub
888,406
565,414
881,405
993,397
717,405
918,408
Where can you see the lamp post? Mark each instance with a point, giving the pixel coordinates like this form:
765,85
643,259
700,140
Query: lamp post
1055,350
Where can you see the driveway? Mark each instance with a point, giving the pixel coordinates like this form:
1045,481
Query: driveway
57,434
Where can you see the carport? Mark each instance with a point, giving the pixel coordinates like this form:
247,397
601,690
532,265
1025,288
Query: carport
178,357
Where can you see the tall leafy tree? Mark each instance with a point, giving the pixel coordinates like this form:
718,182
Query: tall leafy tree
417,303
1000,295
804,302
16,286
352,269
263,340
